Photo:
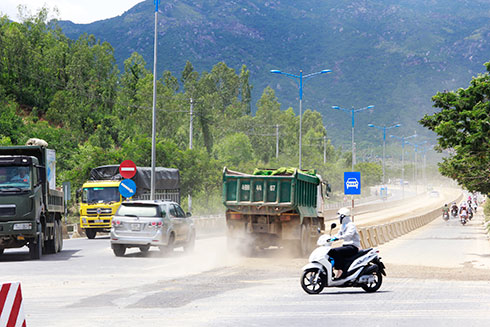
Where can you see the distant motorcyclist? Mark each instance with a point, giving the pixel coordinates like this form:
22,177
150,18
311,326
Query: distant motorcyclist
351,245
463,211
445,212
454,209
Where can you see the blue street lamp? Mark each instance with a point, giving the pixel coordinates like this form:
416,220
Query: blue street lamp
403,140
300,80
384,128
353,111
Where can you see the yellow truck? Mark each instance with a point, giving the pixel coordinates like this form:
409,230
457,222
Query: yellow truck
100,197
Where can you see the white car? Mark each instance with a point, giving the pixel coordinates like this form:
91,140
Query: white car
352,182
145,223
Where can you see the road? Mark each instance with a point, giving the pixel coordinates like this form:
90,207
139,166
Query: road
438,275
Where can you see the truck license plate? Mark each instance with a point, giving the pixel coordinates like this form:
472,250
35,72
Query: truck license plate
135,226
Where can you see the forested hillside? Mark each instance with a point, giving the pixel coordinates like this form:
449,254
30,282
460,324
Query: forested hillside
74,96
394,54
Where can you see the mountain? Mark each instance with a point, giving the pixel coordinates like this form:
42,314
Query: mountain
394,54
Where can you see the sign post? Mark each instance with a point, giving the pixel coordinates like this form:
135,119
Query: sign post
127,169
352,186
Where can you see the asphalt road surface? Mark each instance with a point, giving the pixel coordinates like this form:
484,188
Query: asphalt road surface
438,275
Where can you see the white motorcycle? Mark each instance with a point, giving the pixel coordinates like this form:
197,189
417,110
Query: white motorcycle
365,269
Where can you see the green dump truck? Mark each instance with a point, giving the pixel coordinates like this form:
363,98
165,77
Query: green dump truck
30,206
273,208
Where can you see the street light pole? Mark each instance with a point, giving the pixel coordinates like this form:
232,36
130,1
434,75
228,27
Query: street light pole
403,140
300,80
353,112
154,119
384,128
415,149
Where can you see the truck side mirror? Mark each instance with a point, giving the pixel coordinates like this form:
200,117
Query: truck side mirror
188,214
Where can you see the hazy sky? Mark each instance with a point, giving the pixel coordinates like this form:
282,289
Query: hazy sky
78,11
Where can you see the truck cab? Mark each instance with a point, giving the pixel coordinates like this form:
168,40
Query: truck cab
30,205
99,203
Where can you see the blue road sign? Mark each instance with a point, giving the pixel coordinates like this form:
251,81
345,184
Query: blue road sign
127,188
352,182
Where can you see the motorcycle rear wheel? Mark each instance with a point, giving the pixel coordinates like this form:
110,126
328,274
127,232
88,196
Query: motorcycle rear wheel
374,286
308,282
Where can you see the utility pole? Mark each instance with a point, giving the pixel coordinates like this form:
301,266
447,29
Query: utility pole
325,149
277,141
191,120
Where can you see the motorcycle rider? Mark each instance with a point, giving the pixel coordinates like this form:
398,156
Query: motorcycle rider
454,209
463,211
445,210
351,245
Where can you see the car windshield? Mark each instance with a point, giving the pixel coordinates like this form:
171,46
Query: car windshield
16,177
139,210
100,195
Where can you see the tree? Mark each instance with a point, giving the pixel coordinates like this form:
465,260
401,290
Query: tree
463,126
235,149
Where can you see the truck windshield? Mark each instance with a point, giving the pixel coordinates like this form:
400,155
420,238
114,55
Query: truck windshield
15,177
100,195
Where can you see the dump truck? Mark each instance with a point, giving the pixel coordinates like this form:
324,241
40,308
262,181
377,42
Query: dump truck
100,197
273,207
31,207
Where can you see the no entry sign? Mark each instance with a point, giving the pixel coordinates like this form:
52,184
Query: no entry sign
127,169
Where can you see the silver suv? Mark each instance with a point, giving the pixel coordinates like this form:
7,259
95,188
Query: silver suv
151,223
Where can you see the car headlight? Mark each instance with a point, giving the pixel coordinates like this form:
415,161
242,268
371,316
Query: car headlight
22,226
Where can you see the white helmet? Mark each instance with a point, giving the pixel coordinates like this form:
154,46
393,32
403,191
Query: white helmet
343,212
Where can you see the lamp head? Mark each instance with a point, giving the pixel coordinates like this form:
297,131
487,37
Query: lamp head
370,107
398,125
371,125
275,71
325,71
335,107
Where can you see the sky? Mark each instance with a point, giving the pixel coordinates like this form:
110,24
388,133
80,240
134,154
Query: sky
78,11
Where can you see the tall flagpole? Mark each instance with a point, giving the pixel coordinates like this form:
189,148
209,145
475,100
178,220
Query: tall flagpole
153,124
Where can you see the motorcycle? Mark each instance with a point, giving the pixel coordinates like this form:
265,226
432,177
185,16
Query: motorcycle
445,216
463,217
365,269
454,212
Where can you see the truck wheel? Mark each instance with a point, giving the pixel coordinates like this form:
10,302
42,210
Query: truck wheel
119,250
50,245
60,236
36,248
90,233
304,243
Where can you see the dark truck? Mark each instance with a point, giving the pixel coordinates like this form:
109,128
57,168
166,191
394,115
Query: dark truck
30,206
275,207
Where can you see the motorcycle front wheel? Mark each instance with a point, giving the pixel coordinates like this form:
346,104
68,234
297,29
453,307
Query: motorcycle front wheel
312,281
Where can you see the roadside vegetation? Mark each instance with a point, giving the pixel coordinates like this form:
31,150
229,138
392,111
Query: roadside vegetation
92,112
463,127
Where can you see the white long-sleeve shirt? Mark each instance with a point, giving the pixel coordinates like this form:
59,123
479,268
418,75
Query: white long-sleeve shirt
348,233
